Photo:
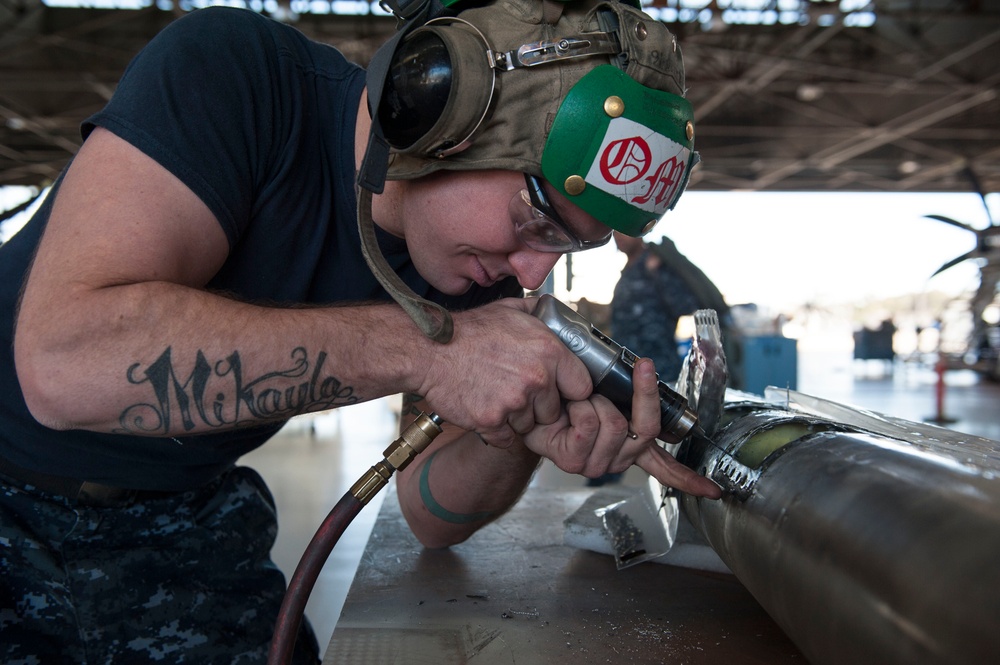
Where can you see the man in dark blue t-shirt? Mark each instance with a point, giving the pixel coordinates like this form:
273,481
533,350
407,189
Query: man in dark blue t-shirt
201,273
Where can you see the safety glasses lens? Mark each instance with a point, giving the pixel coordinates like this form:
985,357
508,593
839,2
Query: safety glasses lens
540,232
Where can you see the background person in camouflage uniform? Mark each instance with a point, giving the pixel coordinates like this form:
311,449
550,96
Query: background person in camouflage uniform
659,285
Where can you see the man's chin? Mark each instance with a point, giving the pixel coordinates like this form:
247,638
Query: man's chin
454,288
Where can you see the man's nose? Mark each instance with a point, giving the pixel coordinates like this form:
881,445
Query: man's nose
531,267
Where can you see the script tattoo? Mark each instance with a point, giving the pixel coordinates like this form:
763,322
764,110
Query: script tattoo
219,396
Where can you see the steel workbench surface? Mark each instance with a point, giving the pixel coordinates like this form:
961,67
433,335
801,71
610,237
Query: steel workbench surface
514,593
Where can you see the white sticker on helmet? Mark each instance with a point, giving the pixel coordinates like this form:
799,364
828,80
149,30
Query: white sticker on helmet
639,166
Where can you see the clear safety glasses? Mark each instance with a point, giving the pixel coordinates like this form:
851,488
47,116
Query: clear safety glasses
540,227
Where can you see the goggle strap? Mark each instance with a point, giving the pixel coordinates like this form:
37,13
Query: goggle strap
563,48
434,321
375,163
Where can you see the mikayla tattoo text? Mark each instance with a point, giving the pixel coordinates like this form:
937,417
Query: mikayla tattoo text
219,395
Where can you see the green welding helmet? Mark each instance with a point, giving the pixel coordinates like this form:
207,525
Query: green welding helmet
585,93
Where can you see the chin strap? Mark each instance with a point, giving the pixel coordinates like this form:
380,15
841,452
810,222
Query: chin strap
432,319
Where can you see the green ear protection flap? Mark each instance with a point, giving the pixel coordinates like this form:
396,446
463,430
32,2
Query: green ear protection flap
619,150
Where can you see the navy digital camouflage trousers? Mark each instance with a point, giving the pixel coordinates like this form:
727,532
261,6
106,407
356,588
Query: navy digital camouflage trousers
182,579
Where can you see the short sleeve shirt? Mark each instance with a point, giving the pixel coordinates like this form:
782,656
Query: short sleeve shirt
259,122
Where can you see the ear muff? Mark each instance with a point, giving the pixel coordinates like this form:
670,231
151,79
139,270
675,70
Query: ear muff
439,89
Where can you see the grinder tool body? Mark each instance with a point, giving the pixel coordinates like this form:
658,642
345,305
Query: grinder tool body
611,366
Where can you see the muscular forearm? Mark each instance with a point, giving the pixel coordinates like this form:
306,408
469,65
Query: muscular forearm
117,333
459,484
164,359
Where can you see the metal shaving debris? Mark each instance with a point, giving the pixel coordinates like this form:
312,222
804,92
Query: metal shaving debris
626,537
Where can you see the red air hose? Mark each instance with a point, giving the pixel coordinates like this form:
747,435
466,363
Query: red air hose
286,630
398,455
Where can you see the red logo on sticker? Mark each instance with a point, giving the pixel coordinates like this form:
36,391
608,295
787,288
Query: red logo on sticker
639,166
663,183
625,160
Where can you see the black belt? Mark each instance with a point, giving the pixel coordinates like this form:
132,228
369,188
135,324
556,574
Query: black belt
79,492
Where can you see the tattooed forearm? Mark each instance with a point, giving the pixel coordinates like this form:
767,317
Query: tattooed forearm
220,396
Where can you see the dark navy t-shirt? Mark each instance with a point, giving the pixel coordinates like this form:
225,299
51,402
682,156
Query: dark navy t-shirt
259,122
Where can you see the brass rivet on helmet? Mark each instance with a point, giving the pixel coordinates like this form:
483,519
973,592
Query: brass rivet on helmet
640,31
689,130
649,226
574,185
614,106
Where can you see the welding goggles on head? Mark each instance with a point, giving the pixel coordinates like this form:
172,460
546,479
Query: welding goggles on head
586,94
442,84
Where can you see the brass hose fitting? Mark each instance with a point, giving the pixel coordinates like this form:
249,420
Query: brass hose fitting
414,439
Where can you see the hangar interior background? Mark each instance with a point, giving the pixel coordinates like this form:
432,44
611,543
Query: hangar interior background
887,95
892,96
